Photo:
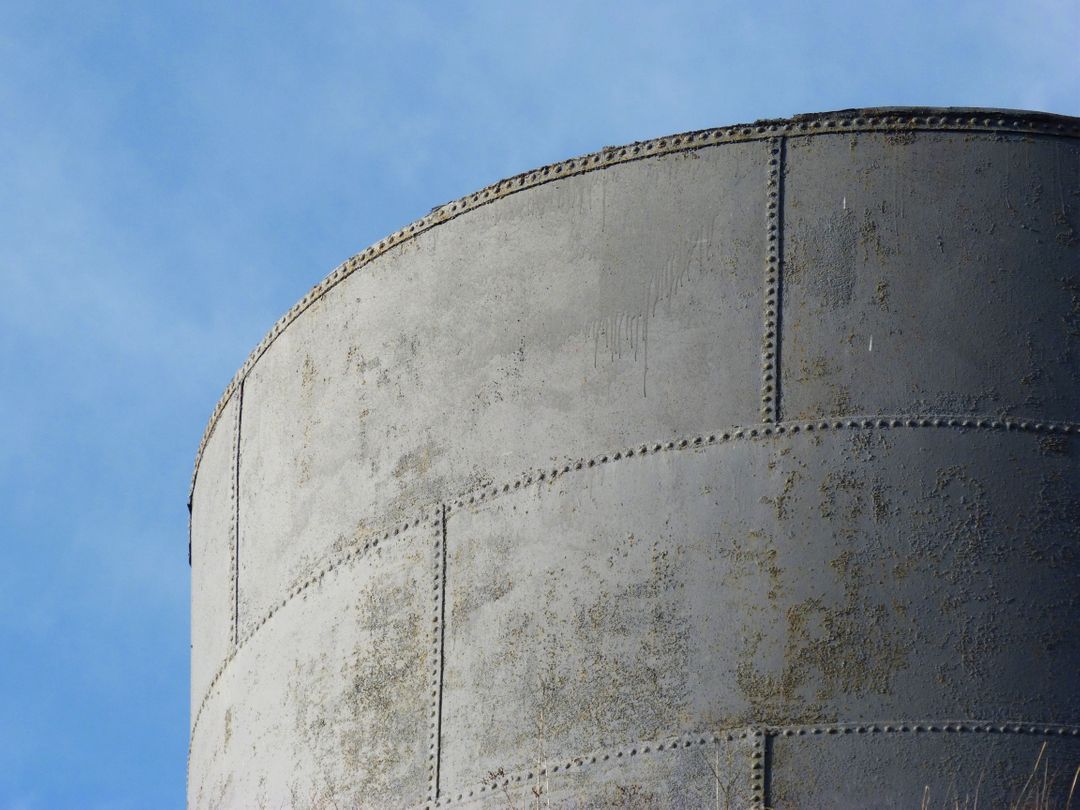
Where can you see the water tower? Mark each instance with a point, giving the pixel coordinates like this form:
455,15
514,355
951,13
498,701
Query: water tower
737,468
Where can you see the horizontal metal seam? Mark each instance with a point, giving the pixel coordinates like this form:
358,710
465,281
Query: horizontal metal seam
928,727
761,431
670,743
765,430
756,735
825,123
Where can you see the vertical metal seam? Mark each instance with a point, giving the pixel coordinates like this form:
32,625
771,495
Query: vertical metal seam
235,539
757,768
438,625
770,348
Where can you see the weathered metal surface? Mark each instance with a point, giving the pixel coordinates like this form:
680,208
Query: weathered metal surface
587,486
825,576
328,703
935,765
931,273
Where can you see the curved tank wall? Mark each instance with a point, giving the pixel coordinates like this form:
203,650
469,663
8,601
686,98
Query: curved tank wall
735,468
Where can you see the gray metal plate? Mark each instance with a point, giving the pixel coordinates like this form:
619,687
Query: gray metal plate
933,770
931,272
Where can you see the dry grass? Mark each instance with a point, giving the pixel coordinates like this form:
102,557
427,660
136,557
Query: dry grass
1036,794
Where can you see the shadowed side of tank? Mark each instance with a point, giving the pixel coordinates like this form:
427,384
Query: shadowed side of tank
732,469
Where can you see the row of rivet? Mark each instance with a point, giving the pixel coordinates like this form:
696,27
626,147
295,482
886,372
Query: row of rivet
770,374
299,590
597,757
757,738
438,638
757,769
764,430
1041,729
631,152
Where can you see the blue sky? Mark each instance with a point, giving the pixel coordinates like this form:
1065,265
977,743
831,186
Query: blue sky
173,176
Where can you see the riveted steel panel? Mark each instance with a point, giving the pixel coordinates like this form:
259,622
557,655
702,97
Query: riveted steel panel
213,546
931,272
586,313
966,766
844,574
329,703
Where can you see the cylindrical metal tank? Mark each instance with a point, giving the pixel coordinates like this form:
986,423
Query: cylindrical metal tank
738,468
